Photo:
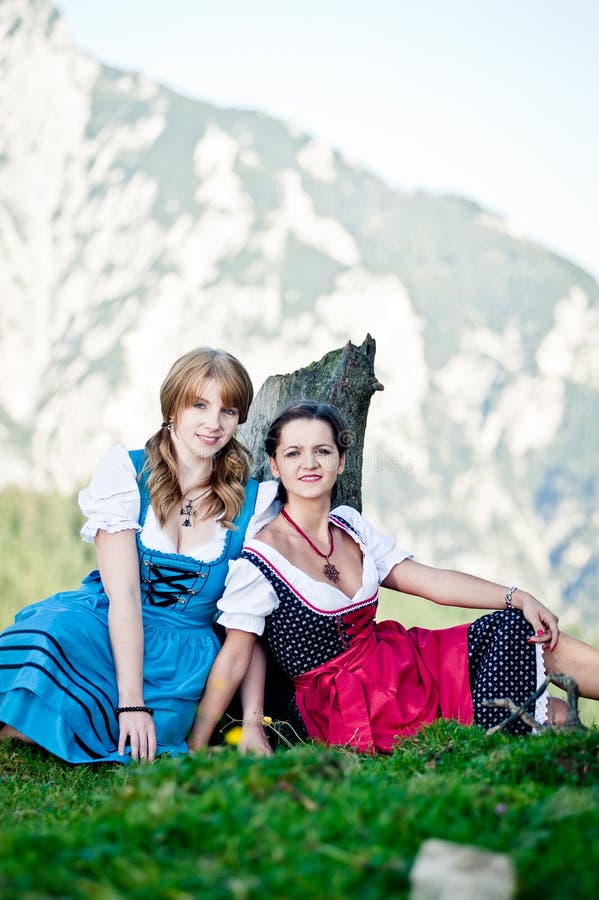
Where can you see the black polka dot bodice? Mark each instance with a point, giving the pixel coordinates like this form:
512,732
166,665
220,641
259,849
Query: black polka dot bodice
301,637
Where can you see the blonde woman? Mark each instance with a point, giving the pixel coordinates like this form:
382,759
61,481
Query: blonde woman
114,670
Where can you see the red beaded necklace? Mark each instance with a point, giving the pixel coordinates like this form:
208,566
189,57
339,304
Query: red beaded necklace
331,571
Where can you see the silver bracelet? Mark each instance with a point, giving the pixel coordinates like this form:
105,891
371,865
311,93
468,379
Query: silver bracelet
508,596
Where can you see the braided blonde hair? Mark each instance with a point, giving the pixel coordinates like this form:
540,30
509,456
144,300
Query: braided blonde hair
180,389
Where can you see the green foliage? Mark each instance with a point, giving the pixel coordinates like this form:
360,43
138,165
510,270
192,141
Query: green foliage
309,823
40,548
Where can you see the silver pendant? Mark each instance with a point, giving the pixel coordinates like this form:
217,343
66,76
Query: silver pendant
187,512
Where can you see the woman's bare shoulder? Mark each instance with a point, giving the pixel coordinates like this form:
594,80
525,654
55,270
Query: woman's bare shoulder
273,535
267,533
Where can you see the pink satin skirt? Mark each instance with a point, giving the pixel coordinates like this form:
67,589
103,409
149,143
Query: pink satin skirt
387,685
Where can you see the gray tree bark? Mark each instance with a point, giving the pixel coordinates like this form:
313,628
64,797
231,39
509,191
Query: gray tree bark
343,377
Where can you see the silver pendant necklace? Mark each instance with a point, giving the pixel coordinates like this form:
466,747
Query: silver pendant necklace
187,511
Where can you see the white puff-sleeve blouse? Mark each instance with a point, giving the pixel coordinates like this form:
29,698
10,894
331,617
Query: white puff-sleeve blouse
249,597
111,502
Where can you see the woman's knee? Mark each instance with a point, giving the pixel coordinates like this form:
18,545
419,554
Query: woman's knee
557,711
7,731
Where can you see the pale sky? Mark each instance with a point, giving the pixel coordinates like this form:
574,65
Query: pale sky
494,100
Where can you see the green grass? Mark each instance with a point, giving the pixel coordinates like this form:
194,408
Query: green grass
309,823
40,548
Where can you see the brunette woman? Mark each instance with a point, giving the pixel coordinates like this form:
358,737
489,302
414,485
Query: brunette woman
310,581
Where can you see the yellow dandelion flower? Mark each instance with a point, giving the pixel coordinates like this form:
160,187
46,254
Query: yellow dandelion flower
267,720
233,735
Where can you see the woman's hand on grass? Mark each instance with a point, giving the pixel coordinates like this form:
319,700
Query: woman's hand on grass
137,729
254,740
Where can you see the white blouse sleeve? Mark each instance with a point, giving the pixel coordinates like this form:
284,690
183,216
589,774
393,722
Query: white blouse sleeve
380,546
111,501
248,598
267,508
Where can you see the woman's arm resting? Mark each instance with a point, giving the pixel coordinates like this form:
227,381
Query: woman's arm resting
230,666
119,568
252,701
450,588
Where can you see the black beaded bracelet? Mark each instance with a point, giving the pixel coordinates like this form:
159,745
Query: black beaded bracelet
146,709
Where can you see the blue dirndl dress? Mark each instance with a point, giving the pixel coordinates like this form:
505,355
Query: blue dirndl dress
57,677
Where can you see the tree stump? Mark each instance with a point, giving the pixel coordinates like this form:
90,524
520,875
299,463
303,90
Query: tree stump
344,377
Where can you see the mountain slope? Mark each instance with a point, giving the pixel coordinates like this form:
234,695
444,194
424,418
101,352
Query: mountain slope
136,223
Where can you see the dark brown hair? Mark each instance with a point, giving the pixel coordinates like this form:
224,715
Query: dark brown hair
308,409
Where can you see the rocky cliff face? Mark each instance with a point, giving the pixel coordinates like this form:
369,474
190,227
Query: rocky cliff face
136,223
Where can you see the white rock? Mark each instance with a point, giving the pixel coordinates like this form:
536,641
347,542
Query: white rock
447,871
